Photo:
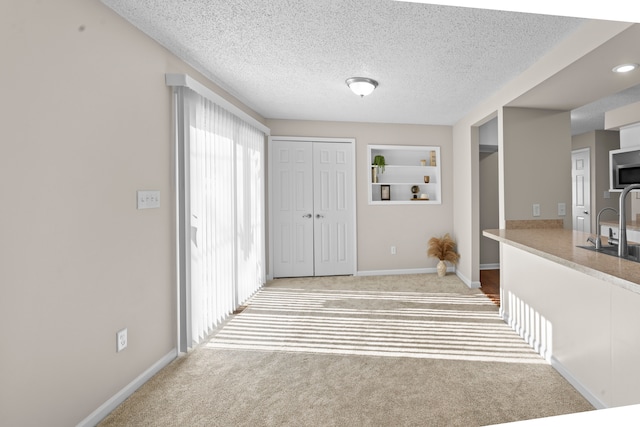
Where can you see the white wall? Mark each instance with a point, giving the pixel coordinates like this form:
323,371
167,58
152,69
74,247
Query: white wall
565,312
584,324
407,227
488,134
86,121
630,136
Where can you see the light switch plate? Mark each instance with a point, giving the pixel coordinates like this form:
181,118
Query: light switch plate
148,199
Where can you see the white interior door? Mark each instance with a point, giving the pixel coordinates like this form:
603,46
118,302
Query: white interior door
333,199
292,208
581,190
313,206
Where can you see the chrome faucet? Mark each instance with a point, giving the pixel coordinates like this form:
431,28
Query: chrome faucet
598,241
623,248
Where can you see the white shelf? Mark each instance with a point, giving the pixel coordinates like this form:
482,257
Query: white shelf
404,170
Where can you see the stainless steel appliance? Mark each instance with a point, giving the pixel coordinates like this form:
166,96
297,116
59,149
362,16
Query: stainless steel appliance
625,167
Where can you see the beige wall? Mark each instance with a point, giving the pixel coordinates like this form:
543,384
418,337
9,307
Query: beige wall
466,209
466,223
407,227
86,121
489,203
605,141
536,150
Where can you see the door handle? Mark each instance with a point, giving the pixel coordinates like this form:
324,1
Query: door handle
586,212
307,216
319,216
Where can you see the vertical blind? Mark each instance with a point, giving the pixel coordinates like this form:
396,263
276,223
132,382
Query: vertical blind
224,211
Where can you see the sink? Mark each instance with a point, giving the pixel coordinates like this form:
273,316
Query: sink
634,251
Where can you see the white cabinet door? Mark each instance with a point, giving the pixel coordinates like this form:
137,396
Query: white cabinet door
292,208
333,211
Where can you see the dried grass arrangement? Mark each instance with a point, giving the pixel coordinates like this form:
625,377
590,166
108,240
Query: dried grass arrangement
443,248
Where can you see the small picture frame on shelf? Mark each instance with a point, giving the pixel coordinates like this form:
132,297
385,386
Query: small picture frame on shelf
385,192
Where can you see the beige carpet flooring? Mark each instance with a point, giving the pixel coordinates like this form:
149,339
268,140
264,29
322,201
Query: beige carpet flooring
410,350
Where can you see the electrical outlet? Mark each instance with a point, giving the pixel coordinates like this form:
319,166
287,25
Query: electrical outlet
536,209
562,209
393,250
121,340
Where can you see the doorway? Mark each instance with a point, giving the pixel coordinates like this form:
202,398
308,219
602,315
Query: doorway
312,207
489,201
581,189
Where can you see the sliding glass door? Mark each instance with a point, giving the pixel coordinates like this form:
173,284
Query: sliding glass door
220,179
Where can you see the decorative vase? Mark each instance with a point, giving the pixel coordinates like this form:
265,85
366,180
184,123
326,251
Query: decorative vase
374,174
441,268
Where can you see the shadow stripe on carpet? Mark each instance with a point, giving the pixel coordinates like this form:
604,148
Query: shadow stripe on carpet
384,324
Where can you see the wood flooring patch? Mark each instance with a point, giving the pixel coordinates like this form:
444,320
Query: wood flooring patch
240,309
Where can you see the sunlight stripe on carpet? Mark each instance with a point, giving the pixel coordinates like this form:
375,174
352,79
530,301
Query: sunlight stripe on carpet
383,324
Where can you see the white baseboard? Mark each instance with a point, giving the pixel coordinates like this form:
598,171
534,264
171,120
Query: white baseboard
490,266
471,284
404,271
597,403
107,407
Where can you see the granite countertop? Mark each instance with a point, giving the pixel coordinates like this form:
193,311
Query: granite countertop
560,245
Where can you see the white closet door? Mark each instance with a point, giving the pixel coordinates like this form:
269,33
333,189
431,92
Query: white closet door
333,209
292,208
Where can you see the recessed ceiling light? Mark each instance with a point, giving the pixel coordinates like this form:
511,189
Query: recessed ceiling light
624,68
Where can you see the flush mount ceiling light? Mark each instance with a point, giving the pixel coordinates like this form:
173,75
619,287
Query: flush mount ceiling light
361,85
624,68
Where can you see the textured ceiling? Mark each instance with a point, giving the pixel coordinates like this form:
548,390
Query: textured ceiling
289,59
591,116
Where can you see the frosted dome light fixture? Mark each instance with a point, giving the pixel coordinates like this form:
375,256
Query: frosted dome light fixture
361,85
624,68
